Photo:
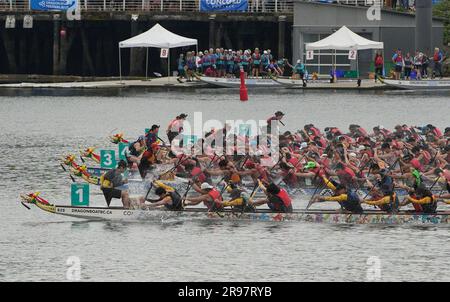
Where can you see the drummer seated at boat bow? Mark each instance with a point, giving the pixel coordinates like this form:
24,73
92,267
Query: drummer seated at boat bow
111,180
348,199
277,200
209,195
168,197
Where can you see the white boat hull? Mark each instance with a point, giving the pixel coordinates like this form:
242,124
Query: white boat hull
323,216
236,82
422,84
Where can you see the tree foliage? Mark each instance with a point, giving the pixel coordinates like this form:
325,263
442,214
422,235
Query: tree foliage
442,10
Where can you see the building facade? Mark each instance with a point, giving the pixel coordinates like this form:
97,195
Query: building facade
314,21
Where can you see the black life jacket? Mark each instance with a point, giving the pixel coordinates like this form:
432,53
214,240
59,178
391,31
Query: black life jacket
132,150
352,203
429,208
392,206
176,201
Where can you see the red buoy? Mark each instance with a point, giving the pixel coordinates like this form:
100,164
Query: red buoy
243,89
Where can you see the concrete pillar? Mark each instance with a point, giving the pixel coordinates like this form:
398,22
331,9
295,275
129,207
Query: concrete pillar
8,42
424,25
137,55
23,66
56,29
297,46
212,30
281,36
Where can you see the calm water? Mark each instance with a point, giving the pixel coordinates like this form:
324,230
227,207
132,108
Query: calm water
37,130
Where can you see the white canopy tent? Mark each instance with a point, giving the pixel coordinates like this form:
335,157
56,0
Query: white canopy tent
158,37
344,39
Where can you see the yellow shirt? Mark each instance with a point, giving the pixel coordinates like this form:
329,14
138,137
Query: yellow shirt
424,200
164,186
342,197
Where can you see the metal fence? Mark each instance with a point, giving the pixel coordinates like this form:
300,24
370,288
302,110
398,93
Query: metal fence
254,6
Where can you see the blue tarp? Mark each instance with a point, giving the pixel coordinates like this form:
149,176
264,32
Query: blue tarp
223,5
52,5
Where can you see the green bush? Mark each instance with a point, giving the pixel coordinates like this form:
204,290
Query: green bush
442,10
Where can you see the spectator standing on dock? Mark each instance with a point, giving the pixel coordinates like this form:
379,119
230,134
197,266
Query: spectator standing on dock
378,63
438,58
397,59
256,62
408,65
418,57
425,64
181,64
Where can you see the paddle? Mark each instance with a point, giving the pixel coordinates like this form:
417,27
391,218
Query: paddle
180,161
382,179
311,201
317,188
64,168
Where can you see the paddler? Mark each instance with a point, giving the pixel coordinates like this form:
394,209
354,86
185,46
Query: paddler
275,119
277,200
384,196
135,151
421,198
444,175
168,197
239,199
175,127
346,198
110,183
209,195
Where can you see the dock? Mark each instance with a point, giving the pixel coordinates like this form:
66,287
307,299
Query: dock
173,83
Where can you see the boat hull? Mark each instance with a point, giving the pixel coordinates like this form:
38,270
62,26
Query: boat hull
333,217
236,82
418,85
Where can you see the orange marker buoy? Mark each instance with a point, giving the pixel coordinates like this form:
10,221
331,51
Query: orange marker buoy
243,89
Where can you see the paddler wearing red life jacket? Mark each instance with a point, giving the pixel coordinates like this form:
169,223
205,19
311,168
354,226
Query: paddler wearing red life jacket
277,200
196,174
209,195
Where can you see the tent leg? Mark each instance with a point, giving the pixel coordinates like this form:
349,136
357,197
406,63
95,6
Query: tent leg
168,67
146,66
120,66
357,65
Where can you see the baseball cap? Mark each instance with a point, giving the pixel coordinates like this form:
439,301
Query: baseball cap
206,186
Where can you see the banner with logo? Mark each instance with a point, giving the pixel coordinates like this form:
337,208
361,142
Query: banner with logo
53,5
223,5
